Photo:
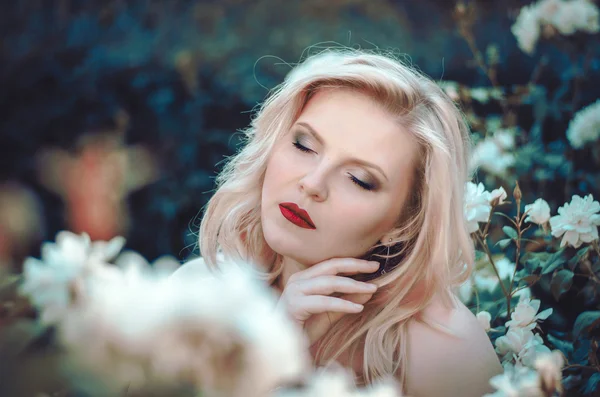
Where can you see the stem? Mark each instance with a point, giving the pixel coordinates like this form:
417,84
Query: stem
485,247
519,223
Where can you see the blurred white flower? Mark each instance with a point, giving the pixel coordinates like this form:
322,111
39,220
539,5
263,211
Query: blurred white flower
338,382
526,28
477,205
50,282
505,138
137,325
450,88
585,126
516,381
484,319
525,314
219,333
465,291
499,194
490,156
480,94
549,367
485,278
571,16
538,212
567,17
577,221
520,345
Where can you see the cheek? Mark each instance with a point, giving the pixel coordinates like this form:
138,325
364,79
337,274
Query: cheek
365,220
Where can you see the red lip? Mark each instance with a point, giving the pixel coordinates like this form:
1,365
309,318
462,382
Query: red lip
296,215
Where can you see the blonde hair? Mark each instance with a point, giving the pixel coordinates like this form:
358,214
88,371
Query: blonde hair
431,252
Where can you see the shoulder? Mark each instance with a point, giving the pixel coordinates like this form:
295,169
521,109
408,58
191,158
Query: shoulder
444,365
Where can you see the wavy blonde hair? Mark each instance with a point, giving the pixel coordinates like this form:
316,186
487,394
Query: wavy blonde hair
431,252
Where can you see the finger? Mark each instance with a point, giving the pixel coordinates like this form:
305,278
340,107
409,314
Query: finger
338,266
316,326
326,285
315,304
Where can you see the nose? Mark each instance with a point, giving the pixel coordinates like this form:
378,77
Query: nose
313,185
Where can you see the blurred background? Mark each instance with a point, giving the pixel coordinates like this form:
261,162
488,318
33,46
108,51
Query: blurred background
115,116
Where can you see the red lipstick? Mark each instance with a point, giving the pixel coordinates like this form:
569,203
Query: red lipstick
296,215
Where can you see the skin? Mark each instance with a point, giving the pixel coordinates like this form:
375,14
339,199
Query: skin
316,175
349,220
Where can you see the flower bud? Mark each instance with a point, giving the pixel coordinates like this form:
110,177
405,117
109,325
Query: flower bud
517,193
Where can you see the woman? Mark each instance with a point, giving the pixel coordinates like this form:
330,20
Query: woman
349,194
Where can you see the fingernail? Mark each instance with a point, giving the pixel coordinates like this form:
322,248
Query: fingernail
371,287
358,307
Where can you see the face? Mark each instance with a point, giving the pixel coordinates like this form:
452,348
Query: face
349,165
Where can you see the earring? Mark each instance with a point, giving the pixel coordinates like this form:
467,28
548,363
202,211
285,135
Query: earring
387,257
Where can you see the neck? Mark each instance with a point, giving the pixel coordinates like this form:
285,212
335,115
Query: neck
290,267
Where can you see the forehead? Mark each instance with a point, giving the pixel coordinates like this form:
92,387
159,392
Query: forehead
354,124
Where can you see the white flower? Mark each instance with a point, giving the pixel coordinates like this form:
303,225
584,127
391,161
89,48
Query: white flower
49,282
577,221
465,291
490,156
538,212
585,126
477,205
525,314
520,345
480,94
451,89
527,29
486,278
217,332
516,381
499,194
549,367
505,138
338,382
572,16
484,319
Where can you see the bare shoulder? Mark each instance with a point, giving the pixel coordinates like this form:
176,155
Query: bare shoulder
443,365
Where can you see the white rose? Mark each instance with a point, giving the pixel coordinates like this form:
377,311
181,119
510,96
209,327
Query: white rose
484,319
577,221
525,314
499,194
476,206
538,212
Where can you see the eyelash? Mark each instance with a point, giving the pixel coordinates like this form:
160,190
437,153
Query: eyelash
356,181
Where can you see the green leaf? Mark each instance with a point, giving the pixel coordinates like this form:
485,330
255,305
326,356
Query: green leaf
503,243
564,346
561,283
584,321
510,232
479,255
592,384
577,257
555,260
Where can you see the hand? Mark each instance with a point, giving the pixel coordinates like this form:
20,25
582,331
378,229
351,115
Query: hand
305,296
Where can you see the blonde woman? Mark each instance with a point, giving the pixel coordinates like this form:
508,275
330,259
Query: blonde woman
348,192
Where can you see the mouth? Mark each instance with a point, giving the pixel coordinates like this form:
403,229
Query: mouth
296,215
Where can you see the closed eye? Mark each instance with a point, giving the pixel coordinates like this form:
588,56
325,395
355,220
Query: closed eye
360,183
302,148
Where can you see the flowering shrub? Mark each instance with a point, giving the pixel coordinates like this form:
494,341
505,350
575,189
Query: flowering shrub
531,368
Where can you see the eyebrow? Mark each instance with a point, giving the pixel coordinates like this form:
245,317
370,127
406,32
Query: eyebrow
318,137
